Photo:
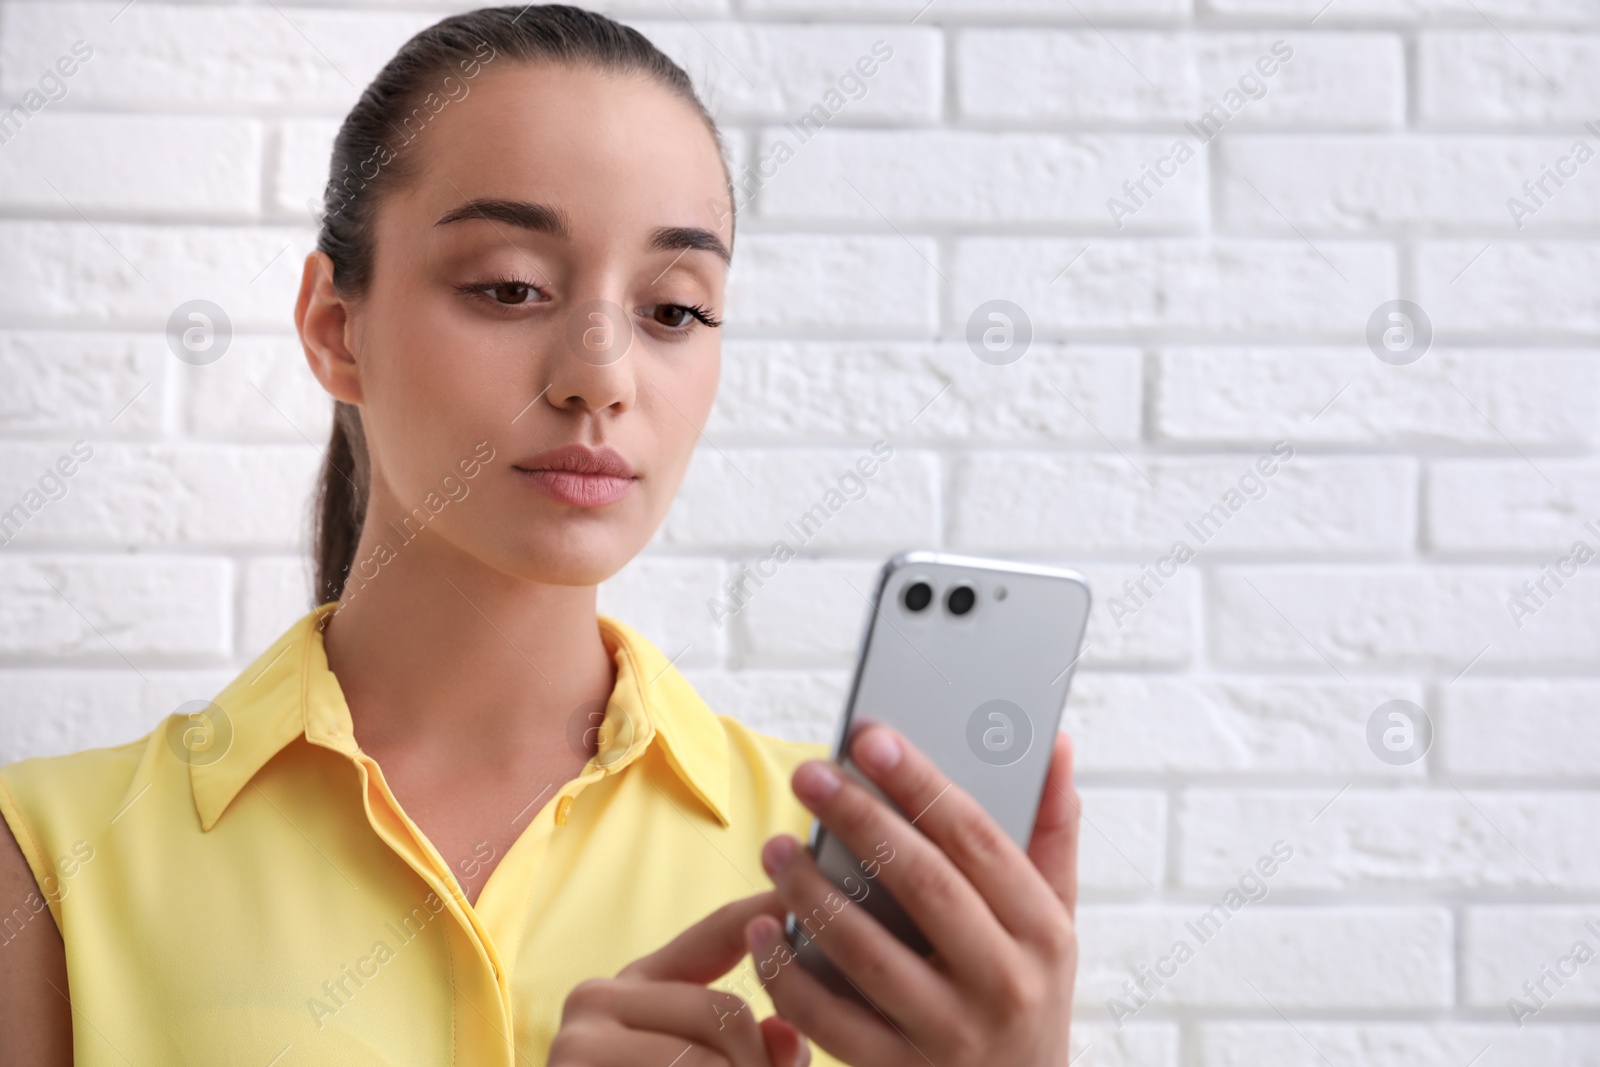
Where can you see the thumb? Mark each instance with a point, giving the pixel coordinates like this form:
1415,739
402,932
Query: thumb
707,950
786,1046
1054,846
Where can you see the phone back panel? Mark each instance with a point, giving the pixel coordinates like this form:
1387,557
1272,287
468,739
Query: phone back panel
979,693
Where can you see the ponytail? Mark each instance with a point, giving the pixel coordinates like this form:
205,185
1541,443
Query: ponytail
341,502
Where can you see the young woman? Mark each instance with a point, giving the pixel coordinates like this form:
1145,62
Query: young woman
452,815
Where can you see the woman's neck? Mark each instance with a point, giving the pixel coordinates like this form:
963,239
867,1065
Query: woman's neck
436,652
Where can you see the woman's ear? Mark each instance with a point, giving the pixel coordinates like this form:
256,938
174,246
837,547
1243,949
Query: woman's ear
322,317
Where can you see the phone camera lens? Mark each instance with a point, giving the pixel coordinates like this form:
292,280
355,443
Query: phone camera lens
960,600
918,595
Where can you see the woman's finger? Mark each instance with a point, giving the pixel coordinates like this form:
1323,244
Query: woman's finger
845,1030
1012,887
934,894
786,1046
618,1046
690,1014
884,970
707,950
1054,845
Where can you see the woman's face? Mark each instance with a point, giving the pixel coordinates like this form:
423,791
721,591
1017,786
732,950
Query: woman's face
549,275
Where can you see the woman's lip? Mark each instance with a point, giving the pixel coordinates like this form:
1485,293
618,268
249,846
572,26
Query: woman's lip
578,490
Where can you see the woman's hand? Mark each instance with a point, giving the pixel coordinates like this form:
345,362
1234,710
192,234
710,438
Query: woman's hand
658,1011
998,987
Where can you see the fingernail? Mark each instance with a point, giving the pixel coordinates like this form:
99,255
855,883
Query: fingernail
815,782
776,852
763,933
878,751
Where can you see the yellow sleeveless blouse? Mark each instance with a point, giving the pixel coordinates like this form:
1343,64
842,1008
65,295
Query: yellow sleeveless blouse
243,888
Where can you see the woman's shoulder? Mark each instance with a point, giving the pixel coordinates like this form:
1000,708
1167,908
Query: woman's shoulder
59,807
86,780
780,751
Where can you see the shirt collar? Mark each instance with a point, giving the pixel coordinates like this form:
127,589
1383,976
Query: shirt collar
289,693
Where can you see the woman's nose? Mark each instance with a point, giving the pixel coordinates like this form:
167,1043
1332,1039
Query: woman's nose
590,366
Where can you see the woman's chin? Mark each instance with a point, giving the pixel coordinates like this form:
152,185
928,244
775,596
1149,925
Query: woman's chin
571,557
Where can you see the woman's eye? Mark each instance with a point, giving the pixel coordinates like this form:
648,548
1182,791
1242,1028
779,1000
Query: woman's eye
511,293
681,316
674,315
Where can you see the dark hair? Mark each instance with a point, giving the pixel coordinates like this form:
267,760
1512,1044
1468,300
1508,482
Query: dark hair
368,157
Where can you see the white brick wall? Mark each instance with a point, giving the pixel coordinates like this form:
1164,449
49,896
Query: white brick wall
1226,314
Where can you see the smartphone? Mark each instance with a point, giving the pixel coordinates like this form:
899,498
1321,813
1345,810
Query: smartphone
970,659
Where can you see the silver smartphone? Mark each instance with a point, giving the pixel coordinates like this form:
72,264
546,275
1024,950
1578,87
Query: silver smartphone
970,659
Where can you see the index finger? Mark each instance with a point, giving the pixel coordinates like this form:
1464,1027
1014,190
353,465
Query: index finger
709,949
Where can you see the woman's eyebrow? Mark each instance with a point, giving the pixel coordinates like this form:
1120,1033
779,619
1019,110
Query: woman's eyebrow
522,213
545,219
668,238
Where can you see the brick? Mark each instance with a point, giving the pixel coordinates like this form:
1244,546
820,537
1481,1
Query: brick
969,178
1346,396
750,498
1122,9
1502,947
799,706
1005,501
104,609
54,712
1087,75
1352,184
783,391
622,9
664,599
137,275
100,385
1158,724
189,56
1481,77
303,149
1509,506
1163,632
1404,11
1360,617
261,389
860,285
1536,727
168,165
275,593
166,494
777,72
1444,839
1318,958
1122,841
1135,1045
1230,286
812,612
1398,1044
1514,291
